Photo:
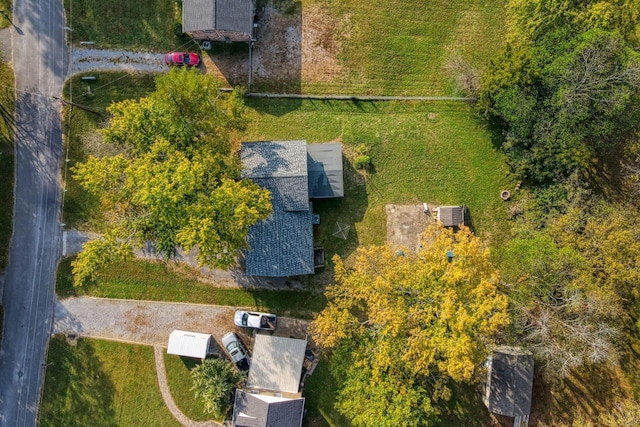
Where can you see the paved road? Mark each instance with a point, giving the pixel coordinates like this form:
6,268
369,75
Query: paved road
39,61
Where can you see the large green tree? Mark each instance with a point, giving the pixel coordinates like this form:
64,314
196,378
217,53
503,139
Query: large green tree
177,179
566,88
401,327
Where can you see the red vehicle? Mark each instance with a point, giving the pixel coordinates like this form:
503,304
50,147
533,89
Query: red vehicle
189,59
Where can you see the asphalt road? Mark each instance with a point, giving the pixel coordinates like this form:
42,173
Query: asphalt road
40,64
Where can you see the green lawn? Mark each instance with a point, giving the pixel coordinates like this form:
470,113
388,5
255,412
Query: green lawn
81,211
145,25
7,6
401,47
6,160
142,280
439,153
101,383
320,392
180,383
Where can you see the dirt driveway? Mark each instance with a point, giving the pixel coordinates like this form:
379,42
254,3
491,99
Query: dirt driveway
150,322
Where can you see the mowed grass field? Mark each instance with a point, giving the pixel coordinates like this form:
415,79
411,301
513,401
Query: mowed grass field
402,47
120,24
101,383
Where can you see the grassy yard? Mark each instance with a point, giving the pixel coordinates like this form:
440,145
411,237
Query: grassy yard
82,211
100,383
180,383
141,280
320,392
6,161
7,6
402,47
438,153
146,26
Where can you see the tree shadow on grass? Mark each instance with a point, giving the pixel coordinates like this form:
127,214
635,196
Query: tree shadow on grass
77,391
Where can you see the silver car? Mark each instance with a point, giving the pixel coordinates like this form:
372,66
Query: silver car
236,350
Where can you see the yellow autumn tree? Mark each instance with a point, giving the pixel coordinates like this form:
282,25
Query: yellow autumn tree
401,326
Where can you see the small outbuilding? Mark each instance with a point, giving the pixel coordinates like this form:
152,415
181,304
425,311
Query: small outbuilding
189,344
453,216
509,382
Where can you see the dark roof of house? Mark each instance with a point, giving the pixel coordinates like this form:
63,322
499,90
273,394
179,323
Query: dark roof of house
452,216
325,170
251,410
509,382
234,16
281,245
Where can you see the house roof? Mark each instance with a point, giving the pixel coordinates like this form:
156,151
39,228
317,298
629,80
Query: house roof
250,410
325,170
452,216
276,364
189,344
234,16
281,245
509,381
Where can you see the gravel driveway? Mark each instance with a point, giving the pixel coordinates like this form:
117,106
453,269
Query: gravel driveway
116,60
150,322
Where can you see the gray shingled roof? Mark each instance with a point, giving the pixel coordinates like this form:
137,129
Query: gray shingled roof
509,382
281,245
198,15
325,170
452,216
251,410
227,15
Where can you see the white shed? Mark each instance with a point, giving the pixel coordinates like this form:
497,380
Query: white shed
189,344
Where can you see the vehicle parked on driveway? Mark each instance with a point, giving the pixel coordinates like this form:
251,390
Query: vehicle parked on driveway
235,349
189,59
249,319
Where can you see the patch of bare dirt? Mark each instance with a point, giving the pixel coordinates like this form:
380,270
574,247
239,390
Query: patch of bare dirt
292,47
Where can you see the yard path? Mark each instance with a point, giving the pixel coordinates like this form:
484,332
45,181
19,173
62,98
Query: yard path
84,59
158,353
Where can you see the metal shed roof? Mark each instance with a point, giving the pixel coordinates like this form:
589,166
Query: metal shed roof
276,364
325,170
452,216
189,344
509,381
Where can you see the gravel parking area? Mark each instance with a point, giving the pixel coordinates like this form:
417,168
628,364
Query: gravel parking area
150,322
